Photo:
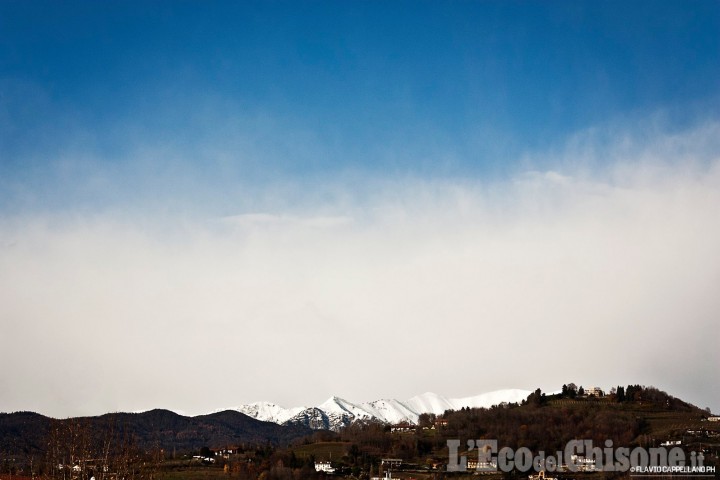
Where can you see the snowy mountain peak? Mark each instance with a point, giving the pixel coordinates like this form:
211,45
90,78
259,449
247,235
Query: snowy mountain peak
268,412
340,406
334,400
430,403
336,412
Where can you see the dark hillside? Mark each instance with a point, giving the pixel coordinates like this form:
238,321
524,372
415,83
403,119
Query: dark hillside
25,435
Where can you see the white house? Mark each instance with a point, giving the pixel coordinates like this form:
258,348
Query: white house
595,391
583,464
324,467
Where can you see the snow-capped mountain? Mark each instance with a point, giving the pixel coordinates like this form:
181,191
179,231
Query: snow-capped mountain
394,411
431,403
268,412
335,413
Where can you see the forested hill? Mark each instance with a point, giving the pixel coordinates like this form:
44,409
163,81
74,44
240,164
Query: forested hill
628,416
29,433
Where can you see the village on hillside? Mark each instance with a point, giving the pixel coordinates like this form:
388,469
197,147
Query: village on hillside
631,416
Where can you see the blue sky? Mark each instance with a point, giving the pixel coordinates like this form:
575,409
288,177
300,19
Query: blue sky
322,88
358,167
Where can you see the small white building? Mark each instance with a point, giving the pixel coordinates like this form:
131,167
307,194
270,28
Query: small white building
324,467
583,464
388,476
475,464
594,391
402,428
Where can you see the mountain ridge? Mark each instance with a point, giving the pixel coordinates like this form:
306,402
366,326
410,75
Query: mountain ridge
28,433
336,412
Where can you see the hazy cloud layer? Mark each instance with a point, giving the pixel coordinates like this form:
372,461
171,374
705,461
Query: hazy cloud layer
594,275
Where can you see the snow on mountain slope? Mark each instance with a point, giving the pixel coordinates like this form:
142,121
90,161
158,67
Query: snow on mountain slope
314,418
336,412
268,412
392,411
433,403
430,403
342,413
339,406
489,399
389,411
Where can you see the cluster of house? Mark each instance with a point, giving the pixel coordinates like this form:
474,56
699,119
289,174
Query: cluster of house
402,428
225,452
387,463
582,464
85,465
475,464
204,459
405,427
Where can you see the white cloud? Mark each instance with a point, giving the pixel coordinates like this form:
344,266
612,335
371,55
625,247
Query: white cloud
260,220
599,276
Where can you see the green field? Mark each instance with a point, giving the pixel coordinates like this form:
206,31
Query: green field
322,450
193,473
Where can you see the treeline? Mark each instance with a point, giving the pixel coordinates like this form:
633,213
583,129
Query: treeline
649,395
540,422
529,425
82,450
621,394
261,462
549,429
75,448
135,446
112,446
